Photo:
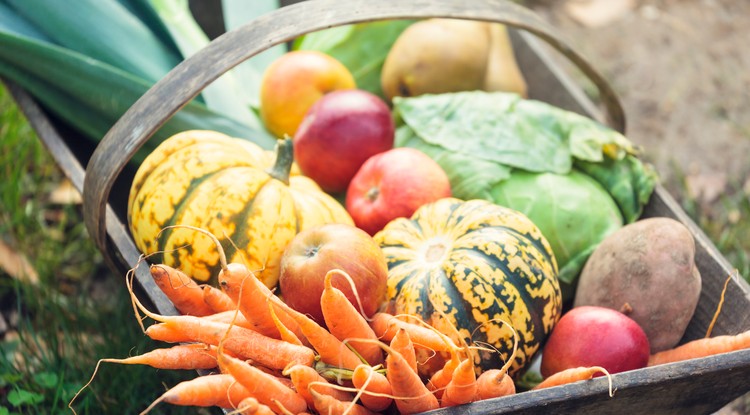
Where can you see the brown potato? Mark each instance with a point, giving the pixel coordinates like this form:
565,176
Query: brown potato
647,270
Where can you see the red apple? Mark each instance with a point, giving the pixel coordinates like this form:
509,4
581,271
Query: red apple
595,336
315,251
339,132
394,184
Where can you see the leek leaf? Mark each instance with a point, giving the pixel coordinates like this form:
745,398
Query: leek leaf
225,94
104,30
237,13
91,95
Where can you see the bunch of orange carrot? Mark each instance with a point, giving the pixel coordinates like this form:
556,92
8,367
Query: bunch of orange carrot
267,358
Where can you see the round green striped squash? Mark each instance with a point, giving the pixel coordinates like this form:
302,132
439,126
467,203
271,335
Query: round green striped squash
468,265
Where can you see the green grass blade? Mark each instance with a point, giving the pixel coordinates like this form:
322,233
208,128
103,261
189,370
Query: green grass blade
104,30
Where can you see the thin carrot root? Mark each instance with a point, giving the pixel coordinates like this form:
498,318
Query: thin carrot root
702,347
719,306
575,374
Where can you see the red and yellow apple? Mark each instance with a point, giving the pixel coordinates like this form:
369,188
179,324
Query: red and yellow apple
595,336
339,132
293,83
394,184
315,251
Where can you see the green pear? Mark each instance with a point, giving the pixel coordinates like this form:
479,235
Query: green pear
450,55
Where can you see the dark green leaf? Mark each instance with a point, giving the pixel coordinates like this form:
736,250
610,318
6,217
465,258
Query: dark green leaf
19,397
103,30
46,380
630,182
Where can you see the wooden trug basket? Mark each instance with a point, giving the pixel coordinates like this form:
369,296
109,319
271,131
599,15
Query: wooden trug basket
698,386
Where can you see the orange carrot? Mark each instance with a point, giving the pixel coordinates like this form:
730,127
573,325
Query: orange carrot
251,406
345,322
402,343
376,393
231,316
246,291
463,385
264,387
167,333
574,374
386,326
440,379
410,394
217,300
184,293
221,390
707,346
302,376
240,341
330,349
284,332
328,405
182,356
250,295
245,343
494,383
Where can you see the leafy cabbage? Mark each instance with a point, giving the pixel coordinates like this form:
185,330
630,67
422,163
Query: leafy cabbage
576,179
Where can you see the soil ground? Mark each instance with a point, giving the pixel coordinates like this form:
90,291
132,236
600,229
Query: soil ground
682,71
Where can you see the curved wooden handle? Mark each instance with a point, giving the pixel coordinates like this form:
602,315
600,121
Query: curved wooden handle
191,76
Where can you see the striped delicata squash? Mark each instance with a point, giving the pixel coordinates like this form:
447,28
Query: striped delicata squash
468,264
232,188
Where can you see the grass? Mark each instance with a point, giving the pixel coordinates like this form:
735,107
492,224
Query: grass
78,310
75,311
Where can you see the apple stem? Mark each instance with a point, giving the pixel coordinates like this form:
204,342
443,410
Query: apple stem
284,159
373,194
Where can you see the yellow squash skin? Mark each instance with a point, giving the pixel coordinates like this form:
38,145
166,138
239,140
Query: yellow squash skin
221,184
466,265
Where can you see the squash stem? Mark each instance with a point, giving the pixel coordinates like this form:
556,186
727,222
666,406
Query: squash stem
284,159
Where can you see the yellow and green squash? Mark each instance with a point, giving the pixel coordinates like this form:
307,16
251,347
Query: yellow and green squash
255,201
469,264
